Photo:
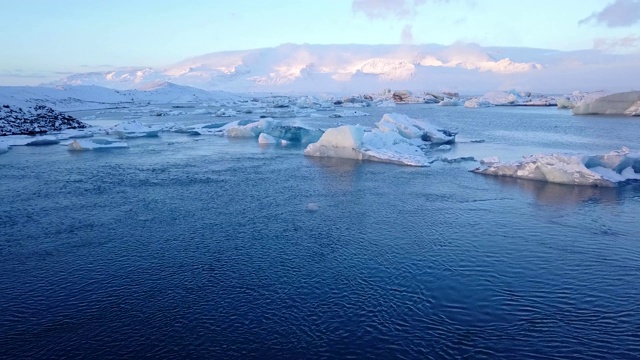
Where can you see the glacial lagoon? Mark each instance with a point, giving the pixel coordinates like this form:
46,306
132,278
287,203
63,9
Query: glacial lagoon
209,247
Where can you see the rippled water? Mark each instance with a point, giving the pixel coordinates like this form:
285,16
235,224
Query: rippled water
177,248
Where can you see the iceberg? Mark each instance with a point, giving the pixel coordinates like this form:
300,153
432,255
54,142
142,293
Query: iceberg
95,143
625,103
510,98
246,128
412,128
609,170
577,98
352,142
133,129
3,148
295,134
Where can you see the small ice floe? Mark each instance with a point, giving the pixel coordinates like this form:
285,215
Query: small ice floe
490,160
312,207
95,143
133,129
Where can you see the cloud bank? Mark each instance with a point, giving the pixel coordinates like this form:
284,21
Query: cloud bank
386,9
620,13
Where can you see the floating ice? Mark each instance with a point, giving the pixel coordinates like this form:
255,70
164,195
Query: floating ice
626,103
491,160
412,128
295,134
312,207
133,129
351,142
246,128
3,148
510,98
266,139
608,170
348,113
578,98
95,143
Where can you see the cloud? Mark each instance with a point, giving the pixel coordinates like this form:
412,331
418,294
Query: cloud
19,73
620,13
385,9
626,44
406,37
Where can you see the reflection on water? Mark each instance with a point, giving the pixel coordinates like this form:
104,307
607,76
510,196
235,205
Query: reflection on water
559,194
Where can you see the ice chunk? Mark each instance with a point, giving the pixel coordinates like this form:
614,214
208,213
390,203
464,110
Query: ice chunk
626,103
601,170
412,128
3,148
491,160
450,102
266,139
577,98
348,113
510,98
95,143
295,134
133,129
312,207
246,128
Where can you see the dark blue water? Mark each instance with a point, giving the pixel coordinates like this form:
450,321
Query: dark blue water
176,248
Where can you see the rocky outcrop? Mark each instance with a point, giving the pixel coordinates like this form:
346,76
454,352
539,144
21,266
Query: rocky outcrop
39,119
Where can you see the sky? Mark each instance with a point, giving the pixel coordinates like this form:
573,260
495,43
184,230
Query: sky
45,39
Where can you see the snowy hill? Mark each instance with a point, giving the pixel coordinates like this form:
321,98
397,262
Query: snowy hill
467,68
64,98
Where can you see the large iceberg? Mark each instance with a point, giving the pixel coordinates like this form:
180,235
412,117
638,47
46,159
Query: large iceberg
625,103
352,142
396,139
609,170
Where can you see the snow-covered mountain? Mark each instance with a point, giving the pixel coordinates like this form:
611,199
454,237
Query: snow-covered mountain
65,97
467,68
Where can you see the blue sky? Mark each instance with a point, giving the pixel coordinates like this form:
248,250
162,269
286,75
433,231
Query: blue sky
44,39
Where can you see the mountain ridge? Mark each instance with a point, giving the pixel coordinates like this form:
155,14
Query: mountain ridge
356,68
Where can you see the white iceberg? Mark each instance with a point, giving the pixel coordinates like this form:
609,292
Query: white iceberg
246,128
415,129
95,143
351,142
133,129
510,98
577,98
626,103
609,170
